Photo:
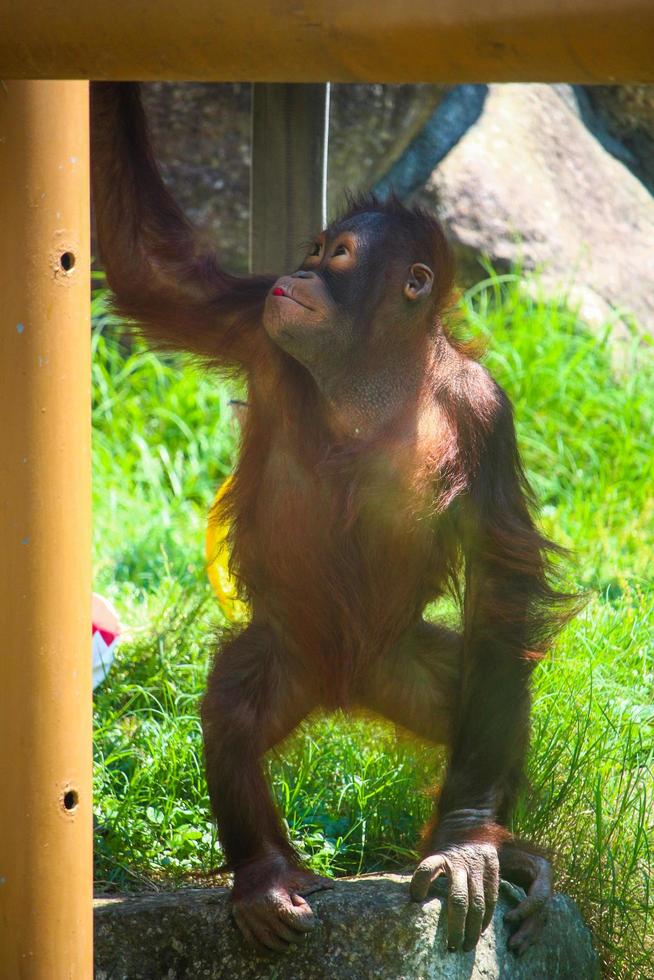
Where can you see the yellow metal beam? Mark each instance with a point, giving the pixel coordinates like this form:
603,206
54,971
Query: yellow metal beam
45,534
327,40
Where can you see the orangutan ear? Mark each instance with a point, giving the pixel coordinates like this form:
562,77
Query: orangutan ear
419,283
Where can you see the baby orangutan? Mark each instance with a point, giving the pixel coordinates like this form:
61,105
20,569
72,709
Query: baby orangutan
378,471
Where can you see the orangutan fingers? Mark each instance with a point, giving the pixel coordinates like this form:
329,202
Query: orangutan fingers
426,872
528,933
538,894
531,913
473,873
491,889
274,920
476,910
300,916
257,933
457,905
245,930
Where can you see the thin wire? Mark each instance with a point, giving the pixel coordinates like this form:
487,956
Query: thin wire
325,156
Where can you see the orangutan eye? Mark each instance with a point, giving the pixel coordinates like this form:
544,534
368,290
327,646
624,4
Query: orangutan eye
340,250
316,249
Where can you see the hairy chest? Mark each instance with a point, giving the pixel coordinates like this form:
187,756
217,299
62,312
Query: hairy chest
357,533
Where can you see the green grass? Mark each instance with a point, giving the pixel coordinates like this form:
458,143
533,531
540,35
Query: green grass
353,794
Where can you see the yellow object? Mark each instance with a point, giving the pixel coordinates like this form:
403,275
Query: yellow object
446,41
45,527
216,550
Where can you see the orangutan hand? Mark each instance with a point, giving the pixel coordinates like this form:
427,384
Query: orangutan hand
534,873
473,871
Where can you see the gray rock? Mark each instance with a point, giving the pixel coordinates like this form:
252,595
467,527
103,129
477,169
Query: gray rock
367,930
529,184
626,112
201,134
459,109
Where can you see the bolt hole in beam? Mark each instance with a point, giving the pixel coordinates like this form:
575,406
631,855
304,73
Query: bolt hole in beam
71,799
67,261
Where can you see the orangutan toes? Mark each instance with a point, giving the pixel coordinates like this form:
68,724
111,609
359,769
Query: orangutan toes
274,918
307,882
272,913
527,919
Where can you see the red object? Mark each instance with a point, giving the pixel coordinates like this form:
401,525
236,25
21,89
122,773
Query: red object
105,634
278,291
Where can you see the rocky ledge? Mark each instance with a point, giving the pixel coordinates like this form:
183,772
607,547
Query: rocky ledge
367,928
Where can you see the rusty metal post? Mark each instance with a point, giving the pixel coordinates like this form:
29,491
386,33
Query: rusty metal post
45,534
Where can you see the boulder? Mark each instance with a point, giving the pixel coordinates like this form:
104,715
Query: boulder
367,928
529,184
201,135
626,114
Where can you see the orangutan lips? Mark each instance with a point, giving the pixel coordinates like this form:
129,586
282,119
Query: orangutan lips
278,291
